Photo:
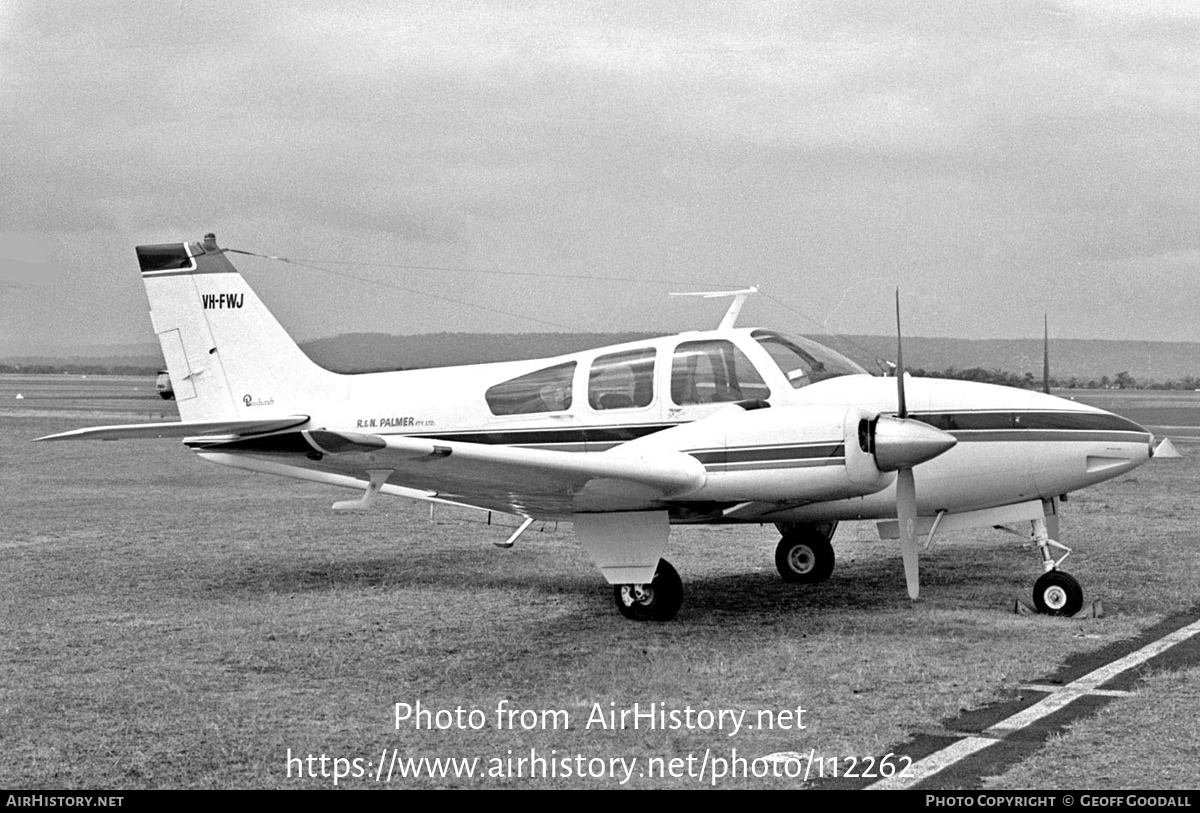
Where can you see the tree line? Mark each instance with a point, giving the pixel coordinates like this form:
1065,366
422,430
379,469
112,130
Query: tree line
78,369
1121,381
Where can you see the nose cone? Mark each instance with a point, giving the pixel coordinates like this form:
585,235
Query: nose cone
901,443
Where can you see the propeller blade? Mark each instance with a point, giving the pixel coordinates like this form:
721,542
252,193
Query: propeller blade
906,512
906,484
1045,354
903,413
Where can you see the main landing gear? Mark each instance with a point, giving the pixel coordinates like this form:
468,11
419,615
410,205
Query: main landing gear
804,553
657,601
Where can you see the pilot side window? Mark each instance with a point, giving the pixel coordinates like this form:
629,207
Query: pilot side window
547,390
622,380
804,362
714,371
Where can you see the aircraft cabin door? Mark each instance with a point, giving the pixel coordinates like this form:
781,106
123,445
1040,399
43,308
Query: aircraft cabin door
621,397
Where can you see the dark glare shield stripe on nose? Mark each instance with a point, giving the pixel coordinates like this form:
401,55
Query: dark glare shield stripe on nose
1029,420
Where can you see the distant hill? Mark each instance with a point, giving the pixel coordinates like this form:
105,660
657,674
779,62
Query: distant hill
146,360
1085,359
1082,358
364,352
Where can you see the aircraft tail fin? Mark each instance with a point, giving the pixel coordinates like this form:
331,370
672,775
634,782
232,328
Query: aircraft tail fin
228,357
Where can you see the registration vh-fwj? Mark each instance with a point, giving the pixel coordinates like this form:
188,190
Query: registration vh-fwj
733,425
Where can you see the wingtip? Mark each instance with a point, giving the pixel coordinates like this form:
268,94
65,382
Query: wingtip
55,436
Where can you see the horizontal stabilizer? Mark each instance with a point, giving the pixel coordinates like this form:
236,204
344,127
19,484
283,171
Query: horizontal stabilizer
181,429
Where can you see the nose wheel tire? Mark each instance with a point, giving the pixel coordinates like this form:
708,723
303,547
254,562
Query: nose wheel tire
806,558
657,601
1057,593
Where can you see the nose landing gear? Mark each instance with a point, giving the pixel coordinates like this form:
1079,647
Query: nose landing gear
1055,592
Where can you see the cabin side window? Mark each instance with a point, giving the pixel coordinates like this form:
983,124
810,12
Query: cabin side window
547,390
622,380
714,371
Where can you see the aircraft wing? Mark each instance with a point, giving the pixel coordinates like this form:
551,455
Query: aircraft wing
533,482
180,429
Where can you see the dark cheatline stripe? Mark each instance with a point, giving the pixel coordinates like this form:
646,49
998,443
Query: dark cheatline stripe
558,436
763,458
620,434
809,463
1047,436
1001,420
564,439
807,452
769,454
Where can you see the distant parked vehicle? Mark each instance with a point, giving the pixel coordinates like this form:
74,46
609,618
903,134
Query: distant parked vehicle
163,385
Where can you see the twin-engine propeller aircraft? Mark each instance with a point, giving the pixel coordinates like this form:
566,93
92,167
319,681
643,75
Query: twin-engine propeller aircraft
733,425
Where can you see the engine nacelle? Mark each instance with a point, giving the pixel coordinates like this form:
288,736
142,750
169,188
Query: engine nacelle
793,454
798,454
780,454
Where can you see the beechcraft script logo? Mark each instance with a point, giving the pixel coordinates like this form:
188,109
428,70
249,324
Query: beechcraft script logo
216,301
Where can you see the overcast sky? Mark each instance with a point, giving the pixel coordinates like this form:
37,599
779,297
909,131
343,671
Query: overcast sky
995,160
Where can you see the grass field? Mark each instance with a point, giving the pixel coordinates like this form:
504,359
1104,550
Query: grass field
168,623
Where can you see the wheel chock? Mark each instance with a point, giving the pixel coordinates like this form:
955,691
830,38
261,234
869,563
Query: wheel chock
1093,610
1020,607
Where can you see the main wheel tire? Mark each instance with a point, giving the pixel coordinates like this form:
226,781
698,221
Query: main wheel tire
659,600
1057,593
806,558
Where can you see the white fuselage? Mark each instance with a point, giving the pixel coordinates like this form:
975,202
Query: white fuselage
1013,445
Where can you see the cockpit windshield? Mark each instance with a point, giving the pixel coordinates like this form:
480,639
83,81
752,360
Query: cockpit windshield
803,361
